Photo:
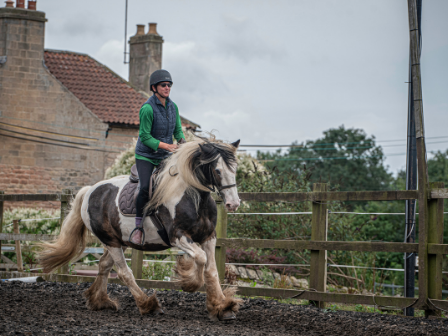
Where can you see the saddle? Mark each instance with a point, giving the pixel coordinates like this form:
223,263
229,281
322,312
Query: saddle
128,196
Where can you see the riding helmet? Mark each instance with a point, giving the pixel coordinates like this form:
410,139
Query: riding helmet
159,76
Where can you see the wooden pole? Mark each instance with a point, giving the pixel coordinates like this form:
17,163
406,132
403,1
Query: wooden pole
67,195
18,249
1,223
137,263
221,232
411,184
319,228
435,236
421,155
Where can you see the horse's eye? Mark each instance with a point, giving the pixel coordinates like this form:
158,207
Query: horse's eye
218,171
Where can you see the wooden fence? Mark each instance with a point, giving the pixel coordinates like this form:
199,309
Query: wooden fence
430,246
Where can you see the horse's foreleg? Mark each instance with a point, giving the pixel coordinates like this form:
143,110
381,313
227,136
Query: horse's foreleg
220,304
96,295
190,267
144,303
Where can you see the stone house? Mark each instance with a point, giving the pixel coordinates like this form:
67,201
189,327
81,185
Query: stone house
64,117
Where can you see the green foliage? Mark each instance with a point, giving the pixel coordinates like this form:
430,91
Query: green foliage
157,271
40,226
259,179
438,167
346,157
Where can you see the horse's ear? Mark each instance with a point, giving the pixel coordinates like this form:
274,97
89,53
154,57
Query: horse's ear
205,149
236,143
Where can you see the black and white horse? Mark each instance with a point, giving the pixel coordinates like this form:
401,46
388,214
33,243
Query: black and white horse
185,206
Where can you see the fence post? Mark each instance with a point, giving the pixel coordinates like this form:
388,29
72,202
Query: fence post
137,263
435,236
1,223
319,227
221,232
66,197
18,248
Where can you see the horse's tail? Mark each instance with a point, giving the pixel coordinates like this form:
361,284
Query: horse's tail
70,243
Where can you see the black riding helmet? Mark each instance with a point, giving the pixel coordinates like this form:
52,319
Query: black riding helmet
159,76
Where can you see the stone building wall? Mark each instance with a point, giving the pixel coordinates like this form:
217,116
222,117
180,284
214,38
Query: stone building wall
49,140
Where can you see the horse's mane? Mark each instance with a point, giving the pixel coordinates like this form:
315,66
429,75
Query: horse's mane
191,165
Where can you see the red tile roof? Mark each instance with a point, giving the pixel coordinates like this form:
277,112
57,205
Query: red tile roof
104,92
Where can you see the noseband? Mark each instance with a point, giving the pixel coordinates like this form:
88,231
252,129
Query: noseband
215,184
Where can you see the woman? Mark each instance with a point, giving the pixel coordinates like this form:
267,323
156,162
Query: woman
159,122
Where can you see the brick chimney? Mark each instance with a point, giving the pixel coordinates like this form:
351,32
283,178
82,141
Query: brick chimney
22,33
145,56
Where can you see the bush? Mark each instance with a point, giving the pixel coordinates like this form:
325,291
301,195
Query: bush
157,271
40,226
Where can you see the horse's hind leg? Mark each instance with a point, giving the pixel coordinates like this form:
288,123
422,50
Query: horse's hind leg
190,267
144,303
220,304
96,295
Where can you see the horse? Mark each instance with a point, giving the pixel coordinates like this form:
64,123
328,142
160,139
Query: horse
183,202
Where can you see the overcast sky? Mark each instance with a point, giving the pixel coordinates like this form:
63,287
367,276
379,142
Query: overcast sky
273,72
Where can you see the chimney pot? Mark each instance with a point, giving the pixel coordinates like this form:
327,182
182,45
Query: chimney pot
32,4
153,28
140,29
20,4
9,3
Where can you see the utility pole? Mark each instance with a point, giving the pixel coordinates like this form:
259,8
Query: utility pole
411,178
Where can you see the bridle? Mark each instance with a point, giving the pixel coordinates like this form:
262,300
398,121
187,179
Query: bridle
214,184
215,187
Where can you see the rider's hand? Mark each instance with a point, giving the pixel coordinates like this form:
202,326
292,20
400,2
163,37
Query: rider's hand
168,147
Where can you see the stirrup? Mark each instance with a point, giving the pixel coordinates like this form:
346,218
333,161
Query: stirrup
143,236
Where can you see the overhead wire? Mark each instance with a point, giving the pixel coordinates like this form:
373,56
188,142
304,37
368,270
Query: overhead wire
58,144
48,132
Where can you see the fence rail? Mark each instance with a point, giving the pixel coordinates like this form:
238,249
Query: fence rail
318,245
330,196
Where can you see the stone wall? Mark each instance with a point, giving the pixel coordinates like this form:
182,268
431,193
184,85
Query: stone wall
49,140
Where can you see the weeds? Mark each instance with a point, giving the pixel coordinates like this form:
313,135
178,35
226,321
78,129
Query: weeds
157,271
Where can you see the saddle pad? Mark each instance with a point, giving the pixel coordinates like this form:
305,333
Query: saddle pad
126,200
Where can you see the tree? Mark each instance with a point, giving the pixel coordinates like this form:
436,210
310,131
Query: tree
438,167
344,157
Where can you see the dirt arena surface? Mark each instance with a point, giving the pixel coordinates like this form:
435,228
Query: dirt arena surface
49,308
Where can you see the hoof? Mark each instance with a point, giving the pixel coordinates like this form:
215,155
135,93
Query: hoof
227,316
159,312
149,305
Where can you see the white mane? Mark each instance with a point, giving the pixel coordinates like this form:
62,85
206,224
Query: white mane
179,174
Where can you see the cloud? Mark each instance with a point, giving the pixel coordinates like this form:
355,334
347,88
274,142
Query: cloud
239,38
193,71
111,55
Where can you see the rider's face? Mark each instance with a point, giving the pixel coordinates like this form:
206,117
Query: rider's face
164,89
